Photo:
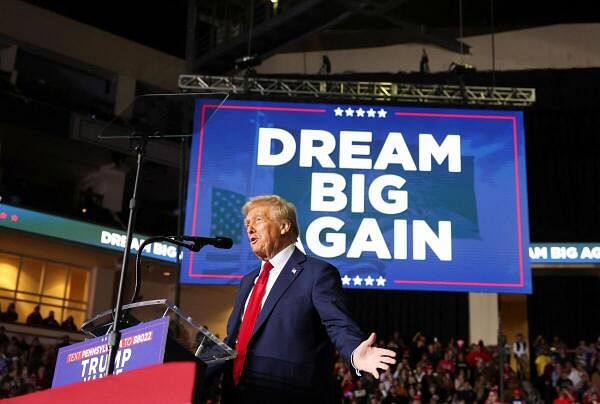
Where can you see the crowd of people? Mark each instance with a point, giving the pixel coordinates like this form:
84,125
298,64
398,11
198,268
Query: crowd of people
427,371
566,375
26,365
431,372
10,315
35,318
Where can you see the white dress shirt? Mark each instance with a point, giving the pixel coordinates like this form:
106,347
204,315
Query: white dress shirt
278,262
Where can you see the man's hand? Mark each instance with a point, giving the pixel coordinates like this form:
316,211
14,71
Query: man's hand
368,358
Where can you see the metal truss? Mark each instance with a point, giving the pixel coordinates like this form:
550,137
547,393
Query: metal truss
361,90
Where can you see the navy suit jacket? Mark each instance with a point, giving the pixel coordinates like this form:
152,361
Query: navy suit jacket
302,321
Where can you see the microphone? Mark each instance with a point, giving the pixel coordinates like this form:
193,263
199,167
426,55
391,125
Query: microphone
218,242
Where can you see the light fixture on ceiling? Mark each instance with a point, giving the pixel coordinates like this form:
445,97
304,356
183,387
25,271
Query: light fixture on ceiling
246,62
461,69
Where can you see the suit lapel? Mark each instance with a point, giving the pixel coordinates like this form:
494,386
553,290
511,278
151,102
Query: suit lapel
288,274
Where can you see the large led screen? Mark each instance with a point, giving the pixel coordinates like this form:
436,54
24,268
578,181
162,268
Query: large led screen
394,197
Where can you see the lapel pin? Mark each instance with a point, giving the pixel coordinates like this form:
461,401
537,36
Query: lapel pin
294,270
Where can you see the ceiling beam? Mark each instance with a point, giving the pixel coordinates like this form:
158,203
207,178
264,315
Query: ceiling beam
382,10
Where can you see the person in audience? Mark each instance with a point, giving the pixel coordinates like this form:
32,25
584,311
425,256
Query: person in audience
10,315
572,374
50,321
541,361
23,344
63,342
477,354
591,397
591,355
581,353
565,396
562,379
557,344
595,376
417,349
492,397
5,361
447,364
12,349
35,317
540,344
519,350
584,385
360,393
33,355
461,364
397,343
69,324
434,353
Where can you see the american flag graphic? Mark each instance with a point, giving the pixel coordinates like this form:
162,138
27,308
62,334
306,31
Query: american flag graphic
226,216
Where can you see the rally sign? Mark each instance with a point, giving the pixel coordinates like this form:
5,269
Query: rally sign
396,198
140,346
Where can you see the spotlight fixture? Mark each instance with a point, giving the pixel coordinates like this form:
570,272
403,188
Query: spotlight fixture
459,68
246,62
275,5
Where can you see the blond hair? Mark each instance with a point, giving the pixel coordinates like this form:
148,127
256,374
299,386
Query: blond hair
282,209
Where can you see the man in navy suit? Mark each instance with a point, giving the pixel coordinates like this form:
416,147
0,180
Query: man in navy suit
286,334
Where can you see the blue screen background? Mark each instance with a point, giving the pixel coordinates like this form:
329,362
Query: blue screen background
486,202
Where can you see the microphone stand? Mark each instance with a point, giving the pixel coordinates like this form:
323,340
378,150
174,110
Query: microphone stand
154,123
195,247
114,337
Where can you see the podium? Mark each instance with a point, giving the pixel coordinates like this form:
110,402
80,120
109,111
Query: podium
153,332
157,384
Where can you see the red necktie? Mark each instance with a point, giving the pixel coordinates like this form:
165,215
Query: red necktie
250,316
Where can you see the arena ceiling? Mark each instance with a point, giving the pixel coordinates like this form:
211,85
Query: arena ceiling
216,34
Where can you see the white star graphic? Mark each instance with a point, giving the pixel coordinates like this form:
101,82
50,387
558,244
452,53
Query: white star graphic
381,113
360,112
357,280
369,281
349,112
346,280
380,281
338,111
371,113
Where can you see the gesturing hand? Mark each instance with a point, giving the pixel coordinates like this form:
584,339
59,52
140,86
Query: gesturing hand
368,358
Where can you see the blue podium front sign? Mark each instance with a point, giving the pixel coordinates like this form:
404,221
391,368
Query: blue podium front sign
142,345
